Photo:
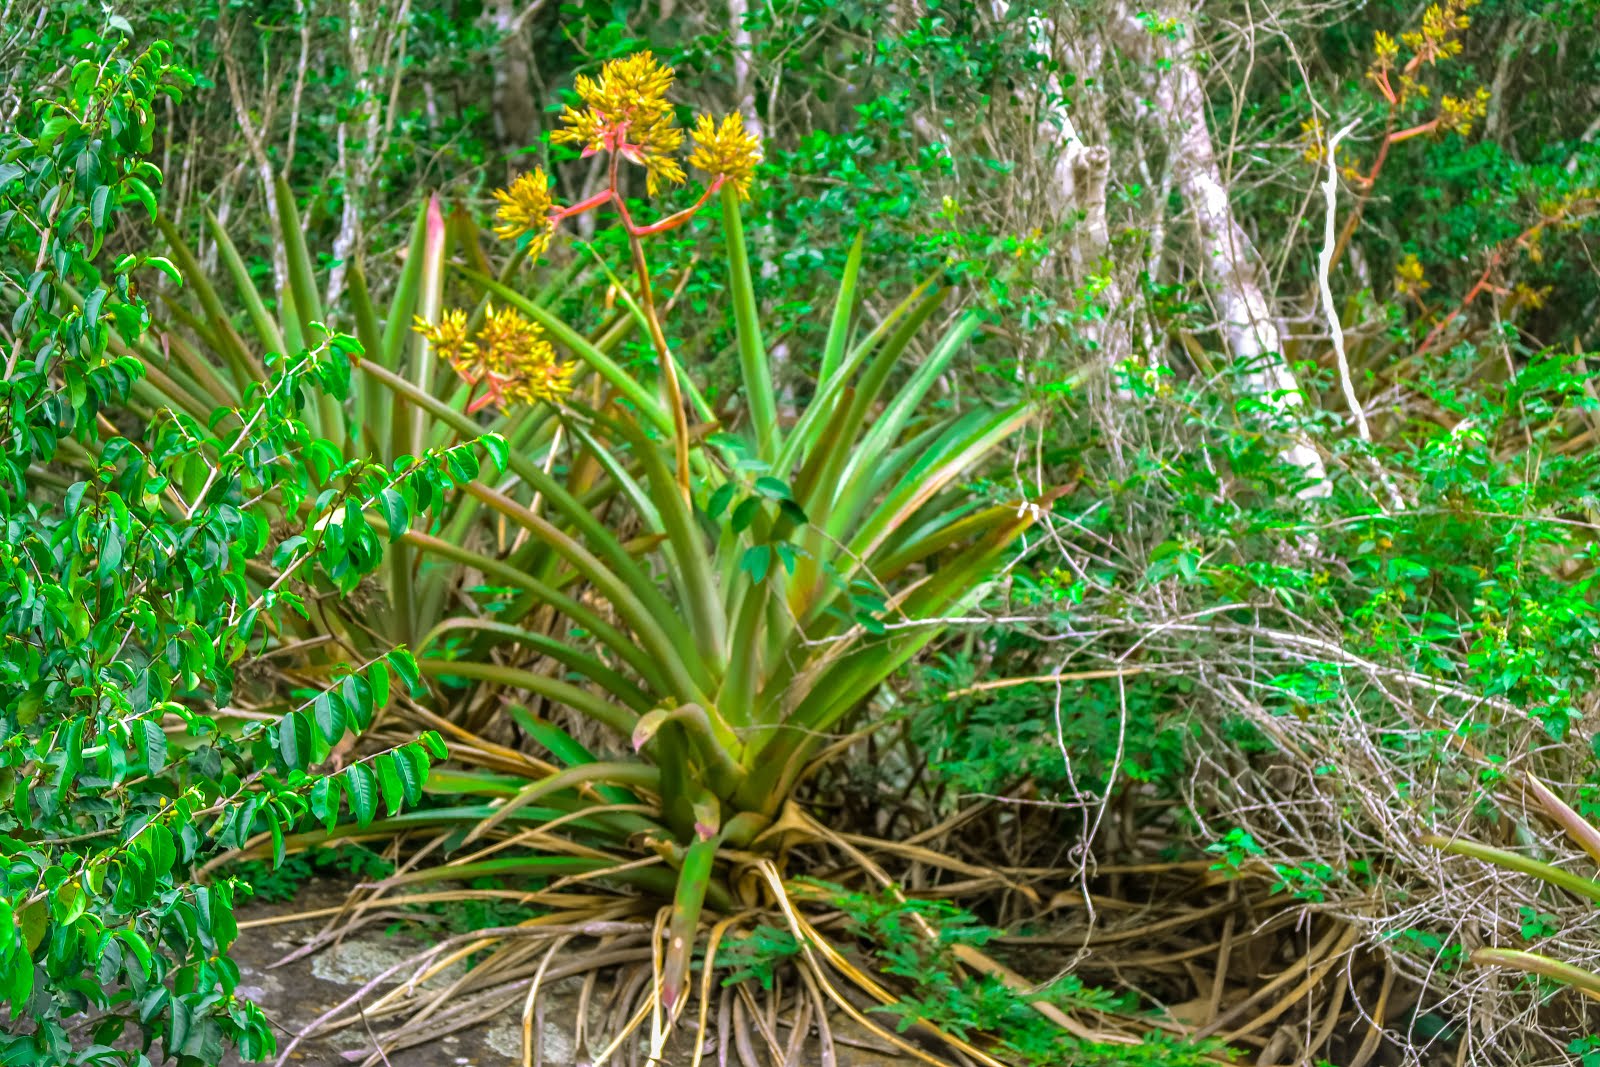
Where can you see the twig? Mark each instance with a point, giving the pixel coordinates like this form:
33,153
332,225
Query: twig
1330,192
1068,676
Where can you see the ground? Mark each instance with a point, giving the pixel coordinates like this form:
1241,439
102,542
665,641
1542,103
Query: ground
297,992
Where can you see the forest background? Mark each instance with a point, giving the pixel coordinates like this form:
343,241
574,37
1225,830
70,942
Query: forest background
1296,301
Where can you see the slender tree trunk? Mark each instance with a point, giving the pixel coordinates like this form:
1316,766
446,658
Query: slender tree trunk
744,85
253,127
1076,191
516,113
376,45
1232,268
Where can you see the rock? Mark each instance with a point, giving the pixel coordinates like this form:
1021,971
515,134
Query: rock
294,995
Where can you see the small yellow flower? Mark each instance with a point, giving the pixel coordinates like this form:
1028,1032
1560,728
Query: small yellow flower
526,207
1408,278
726,151
448,337
1385,48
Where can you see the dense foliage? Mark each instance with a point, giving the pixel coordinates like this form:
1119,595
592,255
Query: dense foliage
961,449
128,601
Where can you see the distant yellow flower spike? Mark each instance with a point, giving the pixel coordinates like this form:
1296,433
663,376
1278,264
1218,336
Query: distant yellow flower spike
1529,296
526,207
1385,47
1408,278
727,151
1311,135
1457,114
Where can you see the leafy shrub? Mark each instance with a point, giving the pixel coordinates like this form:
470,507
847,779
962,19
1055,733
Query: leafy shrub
941,992
124,606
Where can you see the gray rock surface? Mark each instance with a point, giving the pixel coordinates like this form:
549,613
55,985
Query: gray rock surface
294,994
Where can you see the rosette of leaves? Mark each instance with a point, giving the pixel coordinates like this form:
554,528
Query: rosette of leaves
216,340
715,638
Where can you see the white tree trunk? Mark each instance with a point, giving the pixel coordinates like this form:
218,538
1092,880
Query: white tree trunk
1079,174
1233,270
744,85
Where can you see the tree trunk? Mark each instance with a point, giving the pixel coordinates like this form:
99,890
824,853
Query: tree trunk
516,113
1232,269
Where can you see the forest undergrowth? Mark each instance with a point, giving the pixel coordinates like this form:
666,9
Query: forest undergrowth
1034,533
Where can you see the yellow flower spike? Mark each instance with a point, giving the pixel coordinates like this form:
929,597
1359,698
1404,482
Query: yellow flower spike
1311,135
1458,115
448,337
585,129
727,151
1408,278
519,365
507,340
548,382
654,146
629,90
527,207
1385,48
626,111
1529,296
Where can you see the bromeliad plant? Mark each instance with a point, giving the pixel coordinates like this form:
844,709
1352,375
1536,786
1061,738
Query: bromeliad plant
718,604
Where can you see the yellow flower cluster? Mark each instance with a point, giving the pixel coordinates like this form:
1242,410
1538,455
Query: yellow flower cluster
1436,40
1529,297
1456,115
1311,136
626,110
527,207
509,357
1439,38
1408,278
727,151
